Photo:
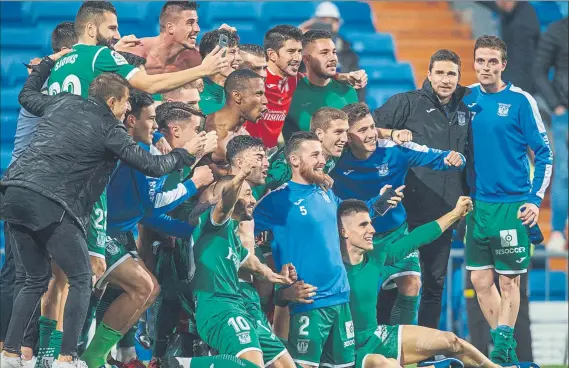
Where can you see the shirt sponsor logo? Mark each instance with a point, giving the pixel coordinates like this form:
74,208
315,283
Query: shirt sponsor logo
274,116
383,170
233,257
302,346
349,343
509,238
503,109
461,118
349,330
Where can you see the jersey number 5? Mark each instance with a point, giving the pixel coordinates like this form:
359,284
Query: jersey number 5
70,84
303,210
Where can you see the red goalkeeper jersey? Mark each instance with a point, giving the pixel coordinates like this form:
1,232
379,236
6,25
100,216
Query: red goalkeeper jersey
279,93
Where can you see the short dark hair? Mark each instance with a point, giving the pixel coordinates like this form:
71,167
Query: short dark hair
138,100
92,11
172,9
445,55
323,116
211,39
356,112
133,59
239,144
314,35
350,207
492,42
63,36
252,49
296,139
108,85
276,37
168,112
239,80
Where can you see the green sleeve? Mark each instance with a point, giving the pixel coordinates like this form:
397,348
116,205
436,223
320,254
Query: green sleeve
113,62
409,243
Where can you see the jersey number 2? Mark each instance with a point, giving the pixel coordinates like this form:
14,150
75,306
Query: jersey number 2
70,84
305,321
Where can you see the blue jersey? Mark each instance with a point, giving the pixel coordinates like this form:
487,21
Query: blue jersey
133,197
304,222
389,164
504,124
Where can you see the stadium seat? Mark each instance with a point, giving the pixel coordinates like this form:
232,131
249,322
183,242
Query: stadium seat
17,38
547,12
401,73
377,94
557,285
58,11
14,75
12,60
239,14
131,16
9,100
372,47
11,13
356,16
281,12
255,37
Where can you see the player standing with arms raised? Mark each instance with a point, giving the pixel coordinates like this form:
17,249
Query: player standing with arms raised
505,122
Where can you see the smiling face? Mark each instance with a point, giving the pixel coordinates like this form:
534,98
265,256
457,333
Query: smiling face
363,135
245,203
489,65
321,58
234,59
185,29
444,76
334,138
310,162
108,29
288,57
358,230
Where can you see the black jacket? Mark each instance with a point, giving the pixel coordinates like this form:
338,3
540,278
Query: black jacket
75,148
553,51
429,194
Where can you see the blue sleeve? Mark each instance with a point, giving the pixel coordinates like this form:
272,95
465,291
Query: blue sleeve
536,137
169,226
156,137
164,201
264,214
369,202
419,155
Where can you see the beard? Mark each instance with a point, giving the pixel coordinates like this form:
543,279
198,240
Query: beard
241,209
109,42
312,176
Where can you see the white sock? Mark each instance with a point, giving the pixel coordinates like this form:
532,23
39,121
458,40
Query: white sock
125,355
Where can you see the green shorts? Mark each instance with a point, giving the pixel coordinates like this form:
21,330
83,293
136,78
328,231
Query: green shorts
272,347
323,336
97,231
385,340
227,327
117,250
496,238
410,265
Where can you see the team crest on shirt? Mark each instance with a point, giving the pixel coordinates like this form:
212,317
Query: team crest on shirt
461,118
244,337
503,109
383,170
302,346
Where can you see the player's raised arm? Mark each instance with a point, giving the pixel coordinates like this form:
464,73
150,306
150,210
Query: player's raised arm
161,83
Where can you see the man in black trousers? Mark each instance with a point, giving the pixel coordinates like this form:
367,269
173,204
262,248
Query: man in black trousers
48,192
437,118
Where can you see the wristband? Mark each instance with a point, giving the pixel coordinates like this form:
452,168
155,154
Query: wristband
391,135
